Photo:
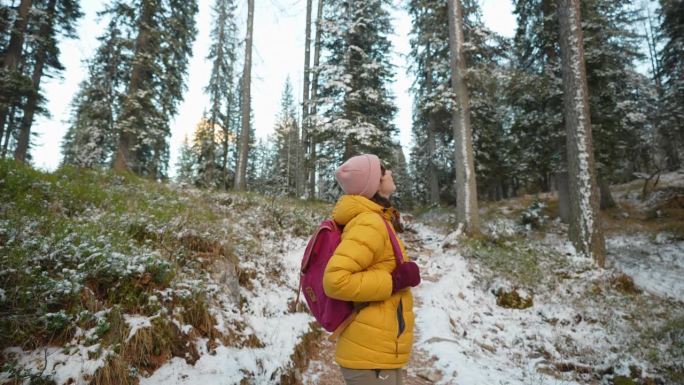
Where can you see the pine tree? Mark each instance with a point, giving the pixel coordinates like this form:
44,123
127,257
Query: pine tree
204,149
55,20
535,97
14,84
611,48
585,227
672,62
616,91
466,188
261,168
246,111
164,33
433,102
185,172
287,144
223,56
432,97
302,168
91,138
355,101
312,118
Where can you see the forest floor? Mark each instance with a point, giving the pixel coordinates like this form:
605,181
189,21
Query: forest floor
109,279
582,325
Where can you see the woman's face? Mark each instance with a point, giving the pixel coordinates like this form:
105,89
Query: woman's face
387,186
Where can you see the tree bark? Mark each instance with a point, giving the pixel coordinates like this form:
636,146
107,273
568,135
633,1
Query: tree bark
433,182
314,102
32,101
241,175
302,149
126,159
466,189
606,198
12,56
563,196
8,132
585,226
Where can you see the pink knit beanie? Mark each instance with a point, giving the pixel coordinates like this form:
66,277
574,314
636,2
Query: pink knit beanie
360,175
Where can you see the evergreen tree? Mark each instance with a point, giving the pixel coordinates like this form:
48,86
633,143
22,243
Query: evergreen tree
91,138
222,54
245,107
261,168
466,187
535,96
164,32
487,78
585,224
287,144
312,118
615,89
53,19
14,83
185,172
204,149
611,48
672,67
432,99
355,101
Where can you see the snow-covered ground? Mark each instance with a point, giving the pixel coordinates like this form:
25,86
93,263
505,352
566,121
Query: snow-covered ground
561,339
655,263
579,330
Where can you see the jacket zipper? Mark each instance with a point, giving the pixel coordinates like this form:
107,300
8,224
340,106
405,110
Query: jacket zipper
401,326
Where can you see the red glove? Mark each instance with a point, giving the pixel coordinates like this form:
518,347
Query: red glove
405,275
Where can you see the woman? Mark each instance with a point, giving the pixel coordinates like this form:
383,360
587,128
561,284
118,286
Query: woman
374,347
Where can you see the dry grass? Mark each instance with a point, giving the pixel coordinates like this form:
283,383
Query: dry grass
151,347
630,220
301,356
114,372
624,284
196,313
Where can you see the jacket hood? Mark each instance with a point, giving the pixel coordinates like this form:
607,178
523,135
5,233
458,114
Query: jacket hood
349,206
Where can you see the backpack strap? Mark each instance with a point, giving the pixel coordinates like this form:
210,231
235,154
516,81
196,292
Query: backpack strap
398,255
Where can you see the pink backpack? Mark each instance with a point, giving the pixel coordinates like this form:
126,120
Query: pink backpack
330,313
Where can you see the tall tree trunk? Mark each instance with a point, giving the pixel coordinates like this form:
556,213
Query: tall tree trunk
241,176
466,189
661,135
314,102
433,182
30,107
606,198
227,127
302,149
8,132
563,196
585,226
126,159
12,57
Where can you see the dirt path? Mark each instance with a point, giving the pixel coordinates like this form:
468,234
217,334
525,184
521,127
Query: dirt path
322,368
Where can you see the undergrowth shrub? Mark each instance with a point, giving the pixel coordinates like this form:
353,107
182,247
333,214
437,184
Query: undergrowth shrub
513,258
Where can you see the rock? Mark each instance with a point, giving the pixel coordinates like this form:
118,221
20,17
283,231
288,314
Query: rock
430,374
622,380
512,299
487,347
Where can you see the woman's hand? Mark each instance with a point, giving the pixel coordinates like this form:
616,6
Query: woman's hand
405,275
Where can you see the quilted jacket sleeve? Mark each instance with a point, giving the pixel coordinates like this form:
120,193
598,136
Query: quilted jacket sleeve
347,276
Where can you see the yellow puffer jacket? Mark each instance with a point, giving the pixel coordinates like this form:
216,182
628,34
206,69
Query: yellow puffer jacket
360,271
